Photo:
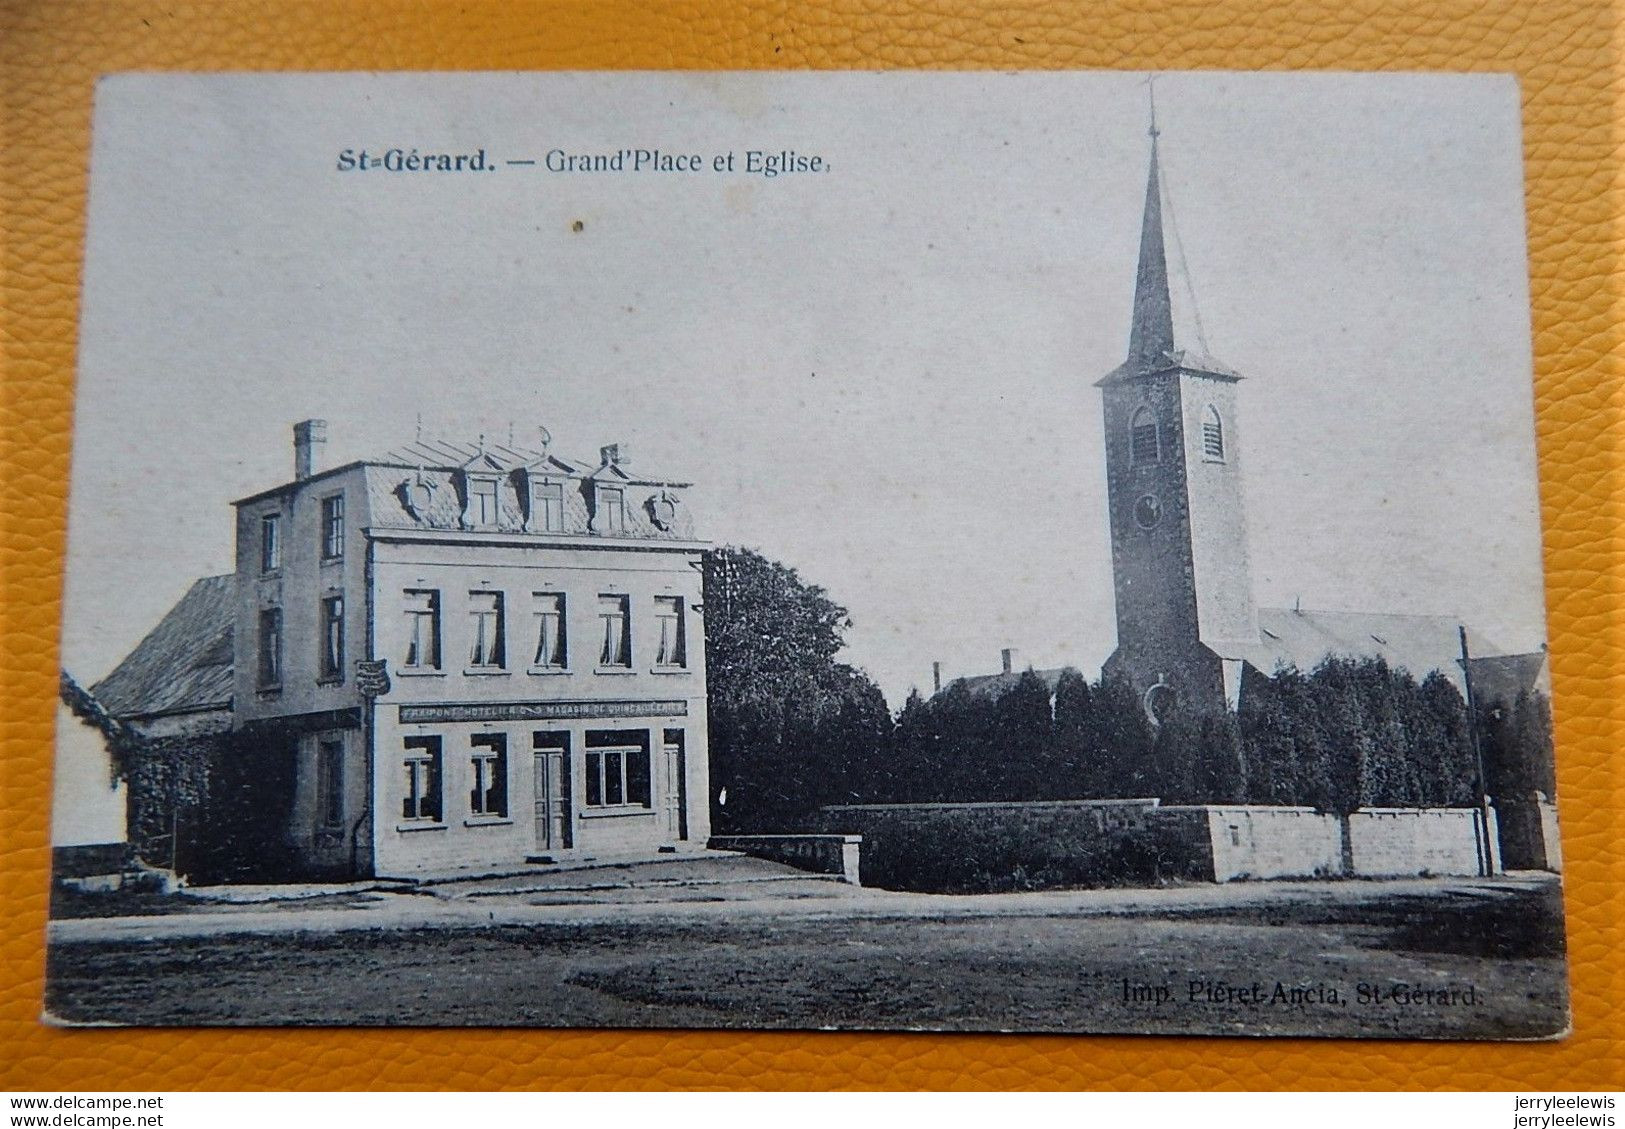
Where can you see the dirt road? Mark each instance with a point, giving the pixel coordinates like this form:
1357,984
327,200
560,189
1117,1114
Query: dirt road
1477,958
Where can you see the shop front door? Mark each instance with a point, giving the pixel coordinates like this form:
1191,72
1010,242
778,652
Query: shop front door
552,800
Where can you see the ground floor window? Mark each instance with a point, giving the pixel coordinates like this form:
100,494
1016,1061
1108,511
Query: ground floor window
618,768
422,800
489,757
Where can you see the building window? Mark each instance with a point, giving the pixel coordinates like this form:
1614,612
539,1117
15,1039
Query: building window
1212,435
551,652
482,502
617,625
270,542
333,638
330,783
333,527
485,611
609,510
673,650
547,507
422,799
422,629
270,646
489,795
1143,439
618,769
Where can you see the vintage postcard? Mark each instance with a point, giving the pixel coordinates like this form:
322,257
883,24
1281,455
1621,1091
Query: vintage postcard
997,552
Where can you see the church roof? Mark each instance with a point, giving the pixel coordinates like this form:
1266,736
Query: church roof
1303,638
1166,332
184,664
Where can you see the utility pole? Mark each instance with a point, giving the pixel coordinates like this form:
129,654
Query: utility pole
1486,848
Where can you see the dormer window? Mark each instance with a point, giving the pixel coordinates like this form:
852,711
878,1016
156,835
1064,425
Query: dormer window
609,510
1212,435
478,481
480,507
1144,445
546,507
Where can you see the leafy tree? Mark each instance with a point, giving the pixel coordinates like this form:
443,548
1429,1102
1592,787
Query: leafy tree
1268,735
1125,740
1080,757
1445,757
1532,729
1018,763
1220,764
790,727
1517,742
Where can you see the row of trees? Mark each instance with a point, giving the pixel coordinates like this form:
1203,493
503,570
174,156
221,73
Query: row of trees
793,729
1349,734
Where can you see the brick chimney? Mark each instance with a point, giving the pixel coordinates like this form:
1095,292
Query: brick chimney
309,442
1008,656
936,678
614,454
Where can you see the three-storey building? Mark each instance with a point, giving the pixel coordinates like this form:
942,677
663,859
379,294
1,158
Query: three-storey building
470,656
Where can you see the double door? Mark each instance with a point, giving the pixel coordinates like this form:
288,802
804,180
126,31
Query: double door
553,799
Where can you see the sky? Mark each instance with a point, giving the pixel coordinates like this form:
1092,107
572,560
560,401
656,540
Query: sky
881,373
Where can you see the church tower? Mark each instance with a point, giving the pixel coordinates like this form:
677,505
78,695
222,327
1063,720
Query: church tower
1185,614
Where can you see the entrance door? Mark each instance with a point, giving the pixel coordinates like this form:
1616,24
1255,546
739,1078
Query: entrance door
675,795
552,792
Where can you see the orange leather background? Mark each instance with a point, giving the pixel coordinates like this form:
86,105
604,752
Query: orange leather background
1564,51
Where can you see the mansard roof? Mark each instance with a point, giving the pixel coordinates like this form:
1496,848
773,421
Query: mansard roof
418,486
184,665
444,454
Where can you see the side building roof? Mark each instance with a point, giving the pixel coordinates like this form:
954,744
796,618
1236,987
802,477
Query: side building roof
184,665
1499,679
993,686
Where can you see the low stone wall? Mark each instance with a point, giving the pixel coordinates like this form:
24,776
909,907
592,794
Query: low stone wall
993,846
1002,846
83,860
1392,842
820,854
1255,841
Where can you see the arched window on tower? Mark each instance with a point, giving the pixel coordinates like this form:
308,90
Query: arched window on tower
1212,435
1143,440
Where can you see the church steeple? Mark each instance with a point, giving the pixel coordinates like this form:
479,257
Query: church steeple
1166,330
1152,337
1185,616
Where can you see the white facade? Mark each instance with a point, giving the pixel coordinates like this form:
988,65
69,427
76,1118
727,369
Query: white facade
457,658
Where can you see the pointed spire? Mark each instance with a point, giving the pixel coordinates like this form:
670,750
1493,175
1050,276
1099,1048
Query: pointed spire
1152,335
1154,343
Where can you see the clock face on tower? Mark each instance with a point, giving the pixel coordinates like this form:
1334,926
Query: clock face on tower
1147,511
